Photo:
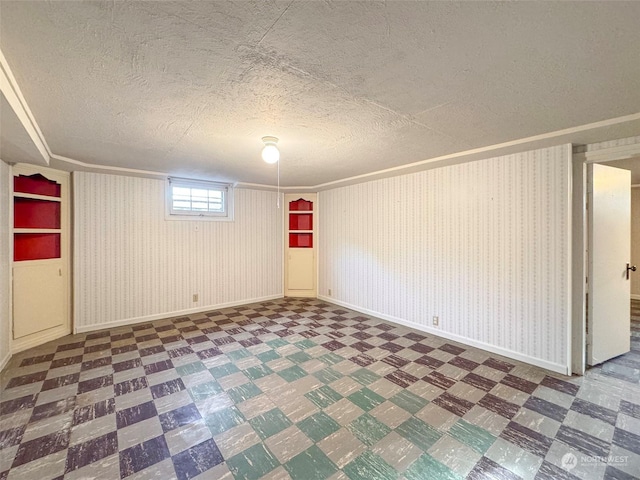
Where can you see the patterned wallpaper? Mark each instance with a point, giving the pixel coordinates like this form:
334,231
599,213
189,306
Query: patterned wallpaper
5,264
483,245
131,264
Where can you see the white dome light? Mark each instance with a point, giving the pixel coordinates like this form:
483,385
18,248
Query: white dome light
270,152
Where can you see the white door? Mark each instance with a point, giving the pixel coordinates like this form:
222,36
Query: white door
39,301
301,269
609,224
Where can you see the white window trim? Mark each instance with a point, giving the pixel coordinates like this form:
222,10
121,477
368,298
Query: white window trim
197,216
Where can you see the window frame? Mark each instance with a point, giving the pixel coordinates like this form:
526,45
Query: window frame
227,200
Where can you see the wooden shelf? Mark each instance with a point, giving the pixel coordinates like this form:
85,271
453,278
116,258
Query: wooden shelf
43,261
37,207
36,213
36,184
37,230
301,205
37,245
33,196
301,222
300,240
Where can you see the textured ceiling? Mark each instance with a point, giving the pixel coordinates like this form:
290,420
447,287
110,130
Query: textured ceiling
189,88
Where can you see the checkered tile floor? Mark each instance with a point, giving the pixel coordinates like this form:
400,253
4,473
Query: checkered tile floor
297,388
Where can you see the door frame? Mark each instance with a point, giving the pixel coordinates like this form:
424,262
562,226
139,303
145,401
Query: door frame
580,245
39,338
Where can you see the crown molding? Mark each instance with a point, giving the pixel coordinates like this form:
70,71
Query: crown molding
11,91
72,165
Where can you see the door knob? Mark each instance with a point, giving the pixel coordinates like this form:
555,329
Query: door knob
631,268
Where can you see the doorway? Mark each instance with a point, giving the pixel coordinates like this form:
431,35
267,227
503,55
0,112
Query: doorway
622,154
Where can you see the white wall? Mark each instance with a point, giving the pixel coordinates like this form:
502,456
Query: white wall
5,265
131,264
483,245
635,241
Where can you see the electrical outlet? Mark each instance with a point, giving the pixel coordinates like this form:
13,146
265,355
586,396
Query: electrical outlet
436,321
195,297
329,292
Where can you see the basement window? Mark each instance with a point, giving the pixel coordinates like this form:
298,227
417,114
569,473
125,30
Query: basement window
199,200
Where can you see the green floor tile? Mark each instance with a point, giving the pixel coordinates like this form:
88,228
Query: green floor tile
330,358
244,392
364,376
204,390
311,464
258,371
323,396
318,426
252,463
278,342
409,401
327,375
190,368
270,423
304,344
238,354
428,468
292,373
370,466
223,420
366,399
368,429
477,438
419,433
299,357
268,356
223,370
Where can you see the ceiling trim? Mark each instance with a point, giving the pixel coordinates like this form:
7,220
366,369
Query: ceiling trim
11,91
66,163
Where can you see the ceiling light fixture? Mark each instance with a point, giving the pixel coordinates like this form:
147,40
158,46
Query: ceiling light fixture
270,152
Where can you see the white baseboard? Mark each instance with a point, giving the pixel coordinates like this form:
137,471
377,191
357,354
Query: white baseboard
178,313
635,296
538,362
37,339
4,361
